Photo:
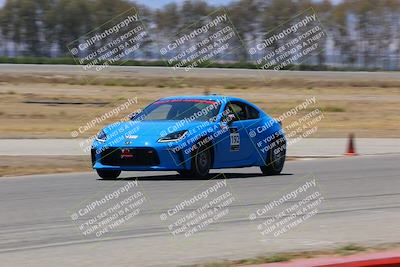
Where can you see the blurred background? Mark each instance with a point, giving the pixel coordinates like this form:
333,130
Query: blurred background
362,34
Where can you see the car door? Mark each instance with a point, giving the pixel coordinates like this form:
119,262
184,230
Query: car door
234,146
253,122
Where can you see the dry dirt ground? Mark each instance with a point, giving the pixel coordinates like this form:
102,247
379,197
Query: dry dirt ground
17,165
50,105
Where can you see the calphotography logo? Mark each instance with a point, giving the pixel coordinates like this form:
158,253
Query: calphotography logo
301,38
111,211
110,44
213,38
199,209
288,210
85,144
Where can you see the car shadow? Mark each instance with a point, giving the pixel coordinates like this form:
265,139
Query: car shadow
177,177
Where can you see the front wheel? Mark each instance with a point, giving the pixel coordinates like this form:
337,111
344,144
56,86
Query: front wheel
200,165
276,157
185,173
108,174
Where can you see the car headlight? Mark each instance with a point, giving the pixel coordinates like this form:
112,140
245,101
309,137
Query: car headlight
173,137
101,136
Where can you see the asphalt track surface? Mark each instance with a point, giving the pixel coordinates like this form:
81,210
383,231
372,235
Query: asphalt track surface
306,147
361,205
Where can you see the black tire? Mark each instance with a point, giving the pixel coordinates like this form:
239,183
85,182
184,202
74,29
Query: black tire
184,173
108,174
276,157
200,164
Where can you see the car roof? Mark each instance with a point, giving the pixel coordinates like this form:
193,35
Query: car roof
213,97
204,97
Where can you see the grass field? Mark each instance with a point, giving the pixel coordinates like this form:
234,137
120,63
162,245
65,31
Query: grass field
37,105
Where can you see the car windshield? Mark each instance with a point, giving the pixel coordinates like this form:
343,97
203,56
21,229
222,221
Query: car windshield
180,109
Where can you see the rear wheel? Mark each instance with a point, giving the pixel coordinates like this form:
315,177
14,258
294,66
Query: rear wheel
276,157
108,174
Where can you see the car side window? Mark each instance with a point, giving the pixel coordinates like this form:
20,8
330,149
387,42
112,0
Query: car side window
238,109
252,113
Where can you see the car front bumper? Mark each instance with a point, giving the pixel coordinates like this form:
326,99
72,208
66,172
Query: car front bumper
161,158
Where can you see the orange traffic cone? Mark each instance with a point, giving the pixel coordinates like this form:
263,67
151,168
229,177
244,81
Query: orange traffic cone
351,150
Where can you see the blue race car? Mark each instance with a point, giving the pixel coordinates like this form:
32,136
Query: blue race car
191,135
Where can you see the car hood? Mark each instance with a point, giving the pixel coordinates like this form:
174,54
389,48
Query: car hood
145,132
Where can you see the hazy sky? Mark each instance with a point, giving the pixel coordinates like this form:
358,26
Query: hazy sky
160,3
